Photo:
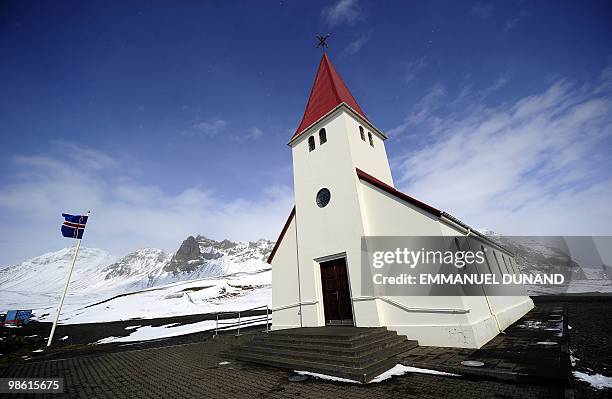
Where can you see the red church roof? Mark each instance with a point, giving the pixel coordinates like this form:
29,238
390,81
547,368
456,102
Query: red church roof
328,91
398,194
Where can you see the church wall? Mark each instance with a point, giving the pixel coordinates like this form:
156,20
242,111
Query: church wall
335,229
385,215
372,160
457,321
480,309
431,320
506,309
285,294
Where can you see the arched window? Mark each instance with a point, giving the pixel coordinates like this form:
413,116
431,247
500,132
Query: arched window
371,139
322,136
361,132
311,143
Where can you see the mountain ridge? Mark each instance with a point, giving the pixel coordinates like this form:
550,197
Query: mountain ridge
98,274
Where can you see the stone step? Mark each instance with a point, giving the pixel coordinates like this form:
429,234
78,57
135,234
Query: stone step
377,343
328,340
357,374
348,352
348,360
330,333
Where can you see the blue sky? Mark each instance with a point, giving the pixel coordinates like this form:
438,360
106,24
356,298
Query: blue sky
173,120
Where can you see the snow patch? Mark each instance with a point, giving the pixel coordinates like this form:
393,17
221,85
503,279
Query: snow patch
226,293
327,377
397,370
400,369
597,381
573,359
148,333
132,327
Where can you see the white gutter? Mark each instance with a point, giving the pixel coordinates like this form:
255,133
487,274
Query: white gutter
468,231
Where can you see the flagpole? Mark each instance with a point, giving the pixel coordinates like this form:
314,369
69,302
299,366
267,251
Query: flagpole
61,303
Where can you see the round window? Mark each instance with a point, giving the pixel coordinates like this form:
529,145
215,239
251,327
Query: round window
323,197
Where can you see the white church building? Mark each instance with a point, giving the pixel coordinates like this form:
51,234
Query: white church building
344,191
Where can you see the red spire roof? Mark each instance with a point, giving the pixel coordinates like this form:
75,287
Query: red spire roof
328,91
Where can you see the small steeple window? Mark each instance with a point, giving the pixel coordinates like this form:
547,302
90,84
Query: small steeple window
371,139
362,133
311,143
322,136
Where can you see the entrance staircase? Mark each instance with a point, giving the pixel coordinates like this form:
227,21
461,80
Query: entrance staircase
355,353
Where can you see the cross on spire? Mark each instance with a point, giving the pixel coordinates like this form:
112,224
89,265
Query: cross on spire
322,41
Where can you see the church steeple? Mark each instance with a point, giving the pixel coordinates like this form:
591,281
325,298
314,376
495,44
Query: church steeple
328,91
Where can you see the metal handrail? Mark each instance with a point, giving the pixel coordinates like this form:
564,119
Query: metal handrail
239,323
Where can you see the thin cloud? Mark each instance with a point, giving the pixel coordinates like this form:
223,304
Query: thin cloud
343,12
514,22
414,67
423,110
211,128
127,214
357,44
253,134
483,11
502,81
499,83
539,165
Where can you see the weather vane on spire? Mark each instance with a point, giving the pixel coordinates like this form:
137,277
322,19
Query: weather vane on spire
322,41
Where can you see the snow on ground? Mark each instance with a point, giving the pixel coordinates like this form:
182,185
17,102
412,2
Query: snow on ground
147,333
400,369
397,370
573,359
132,327
597,381
232,292
326,377
540,325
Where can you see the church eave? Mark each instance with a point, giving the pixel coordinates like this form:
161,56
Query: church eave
281,236
344,105
396,193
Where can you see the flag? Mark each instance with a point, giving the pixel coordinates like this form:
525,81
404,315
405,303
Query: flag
73,225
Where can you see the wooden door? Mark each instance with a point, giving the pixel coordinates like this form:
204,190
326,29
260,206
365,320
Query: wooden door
336,293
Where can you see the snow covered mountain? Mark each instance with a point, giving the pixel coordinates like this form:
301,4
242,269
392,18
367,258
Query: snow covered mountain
200,257
539,255
37,283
